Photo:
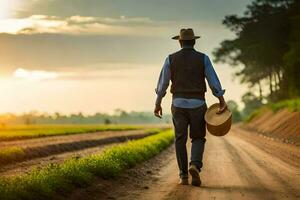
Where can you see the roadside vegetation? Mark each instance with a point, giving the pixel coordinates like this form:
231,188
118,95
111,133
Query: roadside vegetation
293,105
65,177
32,131
255,114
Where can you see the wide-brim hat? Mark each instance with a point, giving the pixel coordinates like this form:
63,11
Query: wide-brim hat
186,34
218,124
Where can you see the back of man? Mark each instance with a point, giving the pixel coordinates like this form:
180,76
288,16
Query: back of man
187,69
187,74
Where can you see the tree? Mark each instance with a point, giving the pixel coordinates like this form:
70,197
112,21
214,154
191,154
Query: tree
292,57
251,103
107,121
260,46
233,107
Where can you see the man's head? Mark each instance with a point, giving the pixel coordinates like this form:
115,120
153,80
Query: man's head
187,43
186,37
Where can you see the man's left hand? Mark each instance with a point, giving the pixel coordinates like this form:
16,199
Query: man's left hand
158,111
223,105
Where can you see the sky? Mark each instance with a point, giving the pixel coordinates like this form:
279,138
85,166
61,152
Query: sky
100,55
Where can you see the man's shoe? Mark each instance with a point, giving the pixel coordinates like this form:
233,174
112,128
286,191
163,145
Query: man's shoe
194,172
184,181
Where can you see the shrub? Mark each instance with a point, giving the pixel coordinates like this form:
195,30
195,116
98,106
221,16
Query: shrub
292,105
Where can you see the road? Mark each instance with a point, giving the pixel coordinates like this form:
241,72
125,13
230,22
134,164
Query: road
237,166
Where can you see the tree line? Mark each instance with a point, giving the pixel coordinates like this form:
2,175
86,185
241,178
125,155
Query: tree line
118,117
266,50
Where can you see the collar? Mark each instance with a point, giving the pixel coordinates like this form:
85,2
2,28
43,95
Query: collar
187,47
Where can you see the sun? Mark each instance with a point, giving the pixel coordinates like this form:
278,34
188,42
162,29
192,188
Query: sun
7,7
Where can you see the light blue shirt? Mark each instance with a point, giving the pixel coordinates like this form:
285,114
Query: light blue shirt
165,77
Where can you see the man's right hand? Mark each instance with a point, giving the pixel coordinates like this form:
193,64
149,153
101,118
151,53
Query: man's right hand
158,111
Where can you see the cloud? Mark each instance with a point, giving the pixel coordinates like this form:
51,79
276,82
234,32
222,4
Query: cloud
80,19
34,75
108,71
37,24
32,24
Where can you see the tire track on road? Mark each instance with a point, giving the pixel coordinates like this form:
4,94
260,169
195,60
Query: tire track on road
268,167
246,173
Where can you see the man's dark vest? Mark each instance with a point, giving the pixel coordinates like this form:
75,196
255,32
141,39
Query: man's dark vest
187,74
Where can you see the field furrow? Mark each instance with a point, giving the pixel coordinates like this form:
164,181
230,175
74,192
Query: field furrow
39,156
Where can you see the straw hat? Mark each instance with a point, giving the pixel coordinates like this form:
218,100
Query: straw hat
217,124
186,34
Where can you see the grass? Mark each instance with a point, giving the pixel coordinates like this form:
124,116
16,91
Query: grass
11,154
256,114
293,105
33,131
65,177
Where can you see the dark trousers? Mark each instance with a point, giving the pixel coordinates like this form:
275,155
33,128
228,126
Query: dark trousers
192,119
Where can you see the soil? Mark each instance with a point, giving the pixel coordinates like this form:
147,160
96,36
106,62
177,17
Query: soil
240,165
282,125
54,140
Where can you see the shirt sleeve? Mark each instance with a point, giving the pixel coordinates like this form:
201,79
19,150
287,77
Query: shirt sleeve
163,81
212,78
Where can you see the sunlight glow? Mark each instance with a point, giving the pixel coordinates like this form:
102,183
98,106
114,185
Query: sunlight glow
6,8
35,75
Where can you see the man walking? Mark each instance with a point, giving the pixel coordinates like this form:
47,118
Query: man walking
187,70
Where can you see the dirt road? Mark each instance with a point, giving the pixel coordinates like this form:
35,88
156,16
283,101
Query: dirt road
241,165
234,169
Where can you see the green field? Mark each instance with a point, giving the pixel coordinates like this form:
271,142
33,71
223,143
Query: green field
13,153
65,177
33,131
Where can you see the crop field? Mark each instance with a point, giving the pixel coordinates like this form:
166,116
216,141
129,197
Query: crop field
35,166
53,178
33,131
14,147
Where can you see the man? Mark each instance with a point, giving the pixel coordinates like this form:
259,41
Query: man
187,70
